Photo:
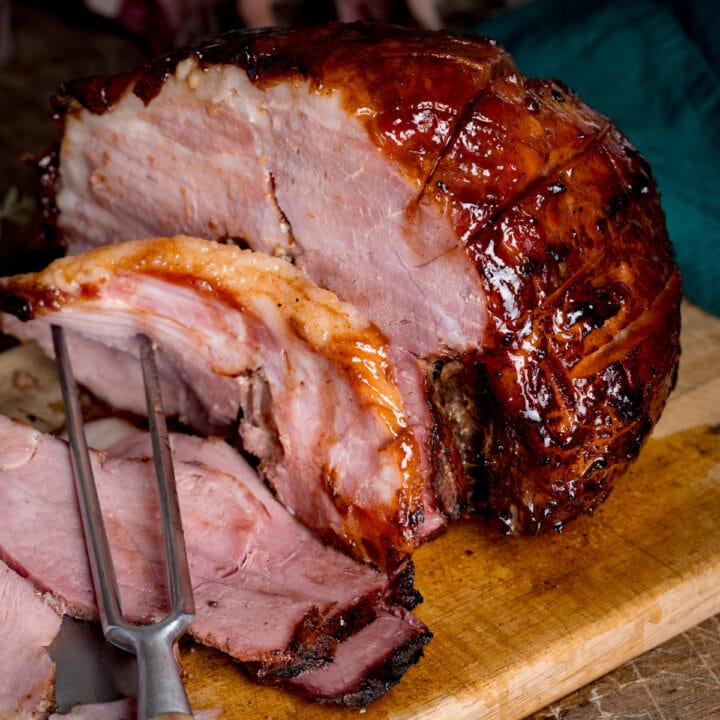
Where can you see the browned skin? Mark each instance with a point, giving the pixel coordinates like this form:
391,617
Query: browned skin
559,214
590,341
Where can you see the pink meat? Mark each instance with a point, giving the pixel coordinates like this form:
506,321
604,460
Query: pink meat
267,591
368,663
246,337
124,709
28,626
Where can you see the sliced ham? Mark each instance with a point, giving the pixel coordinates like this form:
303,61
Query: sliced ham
267,591
124,709
246,341
28,626
368,663
505,237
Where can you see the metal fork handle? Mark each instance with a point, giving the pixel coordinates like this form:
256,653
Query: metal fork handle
160,690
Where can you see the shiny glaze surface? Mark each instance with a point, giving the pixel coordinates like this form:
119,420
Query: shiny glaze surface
585,296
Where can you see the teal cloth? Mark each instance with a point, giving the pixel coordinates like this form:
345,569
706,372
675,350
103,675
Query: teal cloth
651,67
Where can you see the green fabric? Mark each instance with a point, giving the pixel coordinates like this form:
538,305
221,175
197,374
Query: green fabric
638,63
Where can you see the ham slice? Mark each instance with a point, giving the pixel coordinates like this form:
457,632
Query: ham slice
28,626
368,663
248,343
124,709
505,237
267,591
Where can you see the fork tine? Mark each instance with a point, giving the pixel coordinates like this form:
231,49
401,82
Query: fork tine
161,695
99,555
181,594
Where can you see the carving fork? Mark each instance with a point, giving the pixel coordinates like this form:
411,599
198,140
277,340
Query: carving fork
161,694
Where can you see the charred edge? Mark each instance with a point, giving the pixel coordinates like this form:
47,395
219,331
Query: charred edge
392,547
403,591
256,51
149,84
309,649
314,642
97,93
382,676
47,165
16,305
341,626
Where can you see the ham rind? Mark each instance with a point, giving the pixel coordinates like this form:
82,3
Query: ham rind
245,337
267,592
28,626
495,228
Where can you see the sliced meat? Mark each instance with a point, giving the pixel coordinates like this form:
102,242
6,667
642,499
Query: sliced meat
125,709
246,337
368,663
28,626
267,591
503,235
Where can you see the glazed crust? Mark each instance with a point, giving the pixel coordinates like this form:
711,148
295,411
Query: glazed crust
584,355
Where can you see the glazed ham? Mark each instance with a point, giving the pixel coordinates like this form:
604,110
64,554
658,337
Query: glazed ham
249,344
267,591
505,237
28,626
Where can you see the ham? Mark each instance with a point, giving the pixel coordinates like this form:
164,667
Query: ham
505,237
267,592
124,709
250,345
368,663
28,626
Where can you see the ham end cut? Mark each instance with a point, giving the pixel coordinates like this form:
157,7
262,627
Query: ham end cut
28,626
506,238
267,591
125,709
248,345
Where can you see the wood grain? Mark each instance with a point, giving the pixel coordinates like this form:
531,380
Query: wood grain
678,680
521,622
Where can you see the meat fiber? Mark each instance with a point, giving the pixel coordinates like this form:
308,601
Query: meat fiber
246,339
28,626
267,592
505,237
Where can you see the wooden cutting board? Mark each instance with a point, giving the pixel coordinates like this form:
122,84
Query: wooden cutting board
520,622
